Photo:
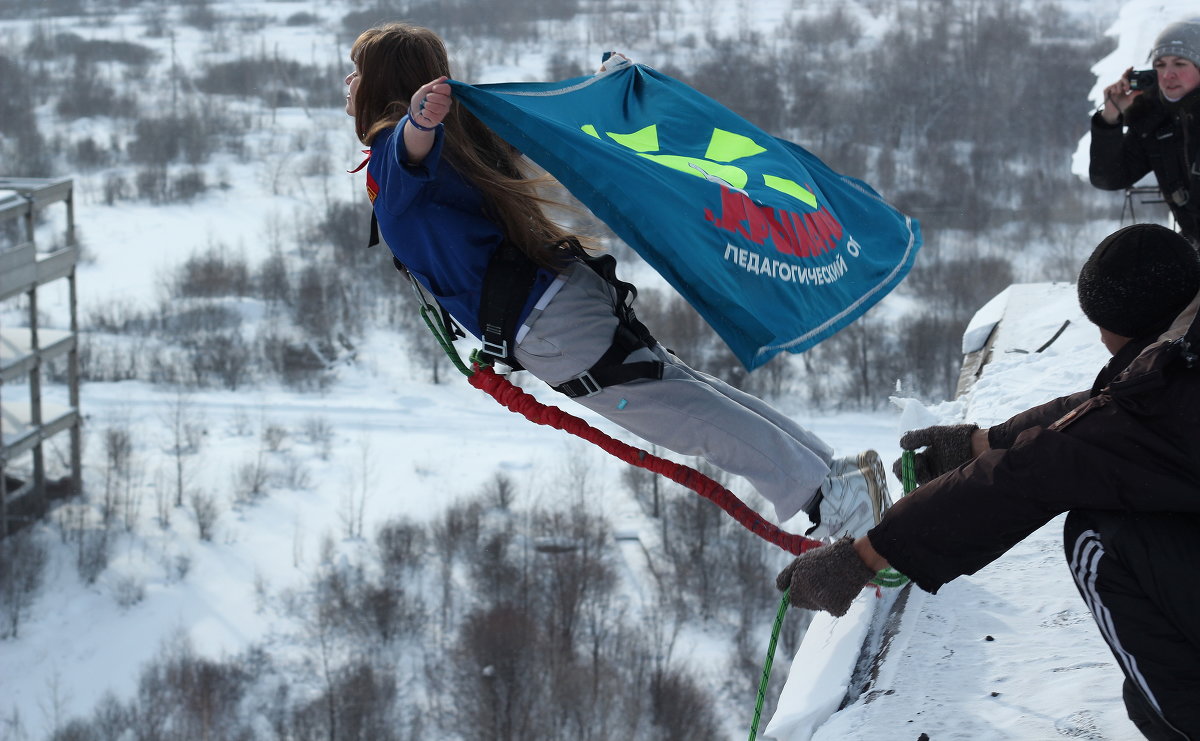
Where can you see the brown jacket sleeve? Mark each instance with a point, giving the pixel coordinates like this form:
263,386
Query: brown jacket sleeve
1005,434
1136,451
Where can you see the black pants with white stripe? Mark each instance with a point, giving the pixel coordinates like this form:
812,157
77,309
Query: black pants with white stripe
1138,575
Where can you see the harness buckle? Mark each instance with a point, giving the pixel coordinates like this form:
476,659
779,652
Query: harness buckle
498,350
590,386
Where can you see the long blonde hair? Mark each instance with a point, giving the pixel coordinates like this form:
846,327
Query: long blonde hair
395,59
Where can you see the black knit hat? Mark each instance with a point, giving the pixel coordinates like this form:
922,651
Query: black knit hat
1138,280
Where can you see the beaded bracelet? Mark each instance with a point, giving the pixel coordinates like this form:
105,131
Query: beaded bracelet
419,127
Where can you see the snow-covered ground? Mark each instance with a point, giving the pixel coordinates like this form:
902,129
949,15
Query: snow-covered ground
414,447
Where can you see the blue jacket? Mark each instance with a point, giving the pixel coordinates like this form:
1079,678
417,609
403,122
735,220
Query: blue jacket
436,223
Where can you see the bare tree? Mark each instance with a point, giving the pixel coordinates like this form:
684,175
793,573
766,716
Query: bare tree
645,485
251,479
162,500
354,499
118,451
681,707
273,437
206,511
318,432
22,563
573,574
458,528
55,701
500,491
499,687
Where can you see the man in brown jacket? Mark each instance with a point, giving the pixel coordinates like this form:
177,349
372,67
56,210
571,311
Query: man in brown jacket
1123,458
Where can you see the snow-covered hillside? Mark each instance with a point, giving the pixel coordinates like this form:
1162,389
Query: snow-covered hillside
301,482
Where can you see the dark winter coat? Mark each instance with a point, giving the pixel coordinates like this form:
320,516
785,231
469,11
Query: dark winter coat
1163,138
1130,444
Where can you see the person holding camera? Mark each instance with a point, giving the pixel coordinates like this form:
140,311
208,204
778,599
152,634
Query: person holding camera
1150,122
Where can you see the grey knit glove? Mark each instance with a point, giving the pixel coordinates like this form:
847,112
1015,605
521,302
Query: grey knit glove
946,448
826,578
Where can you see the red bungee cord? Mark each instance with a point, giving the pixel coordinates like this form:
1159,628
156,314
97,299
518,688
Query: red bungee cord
516,400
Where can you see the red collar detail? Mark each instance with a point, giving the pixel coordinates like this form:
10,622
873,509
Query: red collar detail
362,164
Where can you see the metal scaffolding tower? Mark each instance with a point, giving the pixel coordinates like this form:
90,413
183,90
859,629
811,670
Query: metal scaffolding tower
27,420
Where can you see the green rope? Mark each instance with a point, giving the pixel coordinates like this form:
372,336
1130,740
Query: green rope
766,672
442,335
888,577
908,467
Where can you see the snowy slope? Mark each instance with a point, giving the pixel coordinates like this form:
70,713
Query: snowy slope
1010,652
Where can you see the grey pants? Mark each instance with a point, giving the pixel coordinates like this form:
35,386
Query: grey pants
688,412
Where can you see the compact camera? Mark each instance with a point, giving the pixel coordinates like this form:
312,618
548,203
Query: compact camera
1143,79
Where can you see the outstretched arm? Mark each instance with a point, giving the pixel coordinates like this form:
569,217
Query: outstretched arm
426,111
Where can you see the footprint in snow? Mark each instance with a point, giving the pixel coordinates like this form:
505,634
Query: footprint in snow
1080,724
1066,617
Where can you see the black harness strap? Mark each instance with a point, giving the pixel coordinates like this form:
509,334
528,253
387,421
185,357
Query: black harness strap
609,370
373,236
507,281
606,267
506,285
631,335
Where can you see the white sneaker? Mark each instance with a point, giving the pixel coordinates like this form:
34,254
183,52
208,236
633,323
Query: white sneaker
852,499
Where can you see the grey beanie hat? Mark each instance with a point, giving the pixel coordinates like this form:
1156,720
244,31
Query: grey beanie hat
1138,279
1180,39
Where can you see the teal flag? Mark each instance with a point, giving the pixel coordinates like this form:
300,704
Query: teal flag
775,250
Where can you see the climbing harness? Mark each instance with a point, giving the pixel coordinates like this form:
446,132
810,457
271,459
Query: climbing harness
482,376
507,282
888,577
630,335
